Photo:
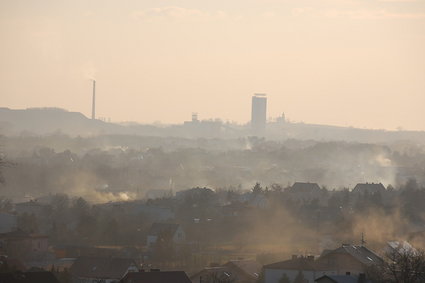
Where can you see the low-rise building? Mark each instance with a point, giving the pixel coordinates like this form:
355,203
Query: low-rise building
8,222
23,245
105,270
28,277
305,267
304,191
369,188
347,259
156,276
237,271
165,230
348,278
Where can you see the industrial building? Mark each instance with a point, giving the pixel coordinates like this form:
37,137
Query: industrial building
258,114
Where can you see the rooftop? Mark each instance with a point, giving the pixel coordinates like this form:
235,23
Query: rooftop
156,277
92,267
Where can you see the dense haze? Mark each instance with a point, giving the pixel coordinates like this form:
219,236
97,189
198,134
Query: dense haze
173,173
351,63
105,166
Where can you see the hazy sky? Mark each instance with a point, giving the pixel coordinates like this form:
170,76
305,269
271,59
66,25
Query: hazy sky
354,63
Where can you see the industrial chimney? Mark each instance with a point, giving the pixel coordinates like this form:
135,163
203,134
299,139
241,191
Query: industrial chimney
93,109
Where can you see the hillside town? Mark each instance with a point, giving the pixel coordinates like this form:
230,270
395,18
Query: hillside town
300,233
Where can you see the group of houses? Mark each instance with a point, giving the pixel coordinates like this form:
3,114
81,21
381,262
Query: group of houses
347,262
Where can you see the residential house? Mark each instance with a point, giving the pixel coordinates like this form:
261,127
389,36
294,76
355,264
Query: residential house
28,277
236,209
30,207
8,222
238,271
23,245
305,191
156,276
369,188
349,258
149,211
402,247
11,264
304,266
162,230
348,278
106,270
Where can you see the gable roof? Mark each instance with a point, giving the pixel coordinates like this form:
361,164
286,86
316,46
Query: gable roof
91,267
218,270
28,277
299,263
360,253
304,187
400,247
250,267
369,187
156,277
17,234
158,228
339,278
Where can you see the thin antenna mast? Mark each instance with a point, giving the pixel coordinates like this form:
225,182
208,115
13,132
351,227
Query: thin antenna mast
363,242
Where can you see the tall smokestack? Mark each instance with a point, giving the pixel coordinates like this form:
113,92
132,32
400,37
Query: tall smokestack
93,109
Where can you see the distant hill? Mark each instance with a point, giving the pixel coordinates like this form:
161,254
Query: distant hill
335,133
42,121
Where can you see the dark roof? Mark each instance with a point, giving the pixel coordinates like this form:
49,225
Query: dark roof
218,270
20,234
361,253
28,277
158,228
250,267
304,187
369,187
91,267
14,234
156,277
300,263
339,278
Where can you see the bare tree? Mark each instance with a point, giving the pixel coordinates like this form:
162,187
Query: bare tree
400,266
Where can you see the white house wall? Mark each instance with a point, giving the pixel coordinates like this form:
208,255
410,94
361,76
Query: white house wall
274,275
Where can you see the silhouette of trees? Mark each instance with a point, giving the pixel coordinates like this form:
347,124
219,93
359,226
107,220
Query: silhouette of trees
257,189
400,266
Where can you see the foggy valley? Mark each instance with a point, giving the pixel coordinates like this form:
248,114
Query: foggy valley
239,200
243,141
